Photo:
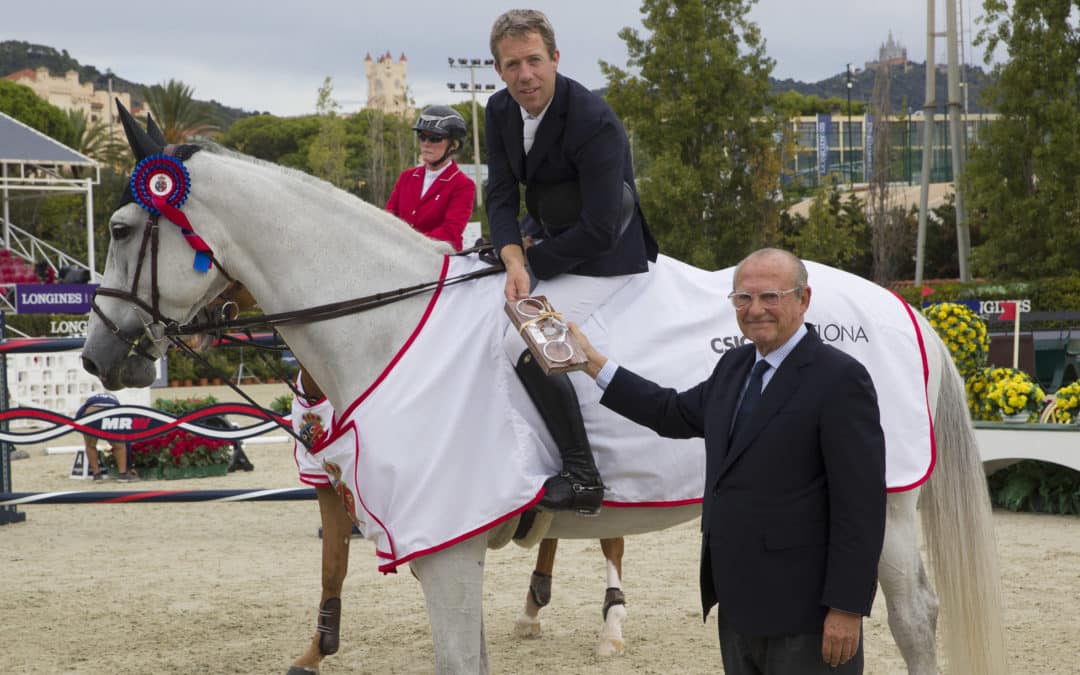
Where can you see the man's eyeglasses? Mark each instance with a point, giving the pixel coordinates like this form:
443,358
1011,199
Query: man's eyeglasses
768,299
430,138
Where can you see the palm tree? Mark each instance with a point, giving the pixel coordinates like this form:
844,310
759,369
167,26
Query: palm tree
94,140
178,114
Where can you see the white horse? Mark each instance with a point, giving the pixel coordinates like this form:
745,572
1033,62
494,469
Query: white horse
295,242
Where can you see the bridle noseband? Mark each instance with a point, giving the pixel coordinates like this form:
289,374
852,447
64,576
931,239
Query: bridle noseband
149,344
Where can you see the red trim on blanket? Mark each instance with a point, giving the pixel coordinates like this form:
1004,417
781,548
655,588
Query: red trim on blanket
633,505
314,480
404,348
391,567
305,405
929,412
335,430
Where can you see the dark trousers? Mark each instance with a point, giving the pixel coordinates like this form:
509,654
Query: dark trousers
782,655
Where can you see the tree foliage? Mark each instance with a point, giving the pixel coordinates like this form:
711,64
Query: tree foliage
20,102
326,155
281,140
1022,180
834,233
699,110
179,115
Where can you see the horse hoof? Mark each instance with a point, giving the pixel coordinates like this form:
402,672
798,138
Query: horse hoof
301,670
610,647
526,627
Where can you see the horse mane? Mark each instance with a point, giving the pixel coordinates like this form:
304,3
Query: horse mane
329,190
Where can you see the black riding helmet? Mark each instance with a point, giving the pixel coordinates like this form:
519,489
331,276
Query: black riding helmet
442,120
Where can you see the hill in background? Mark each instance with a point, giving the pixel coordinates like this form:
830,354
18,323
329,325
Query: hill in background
16,55
907,88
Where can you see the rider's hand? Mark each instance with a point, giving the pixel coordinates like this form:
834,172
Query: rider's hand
517,275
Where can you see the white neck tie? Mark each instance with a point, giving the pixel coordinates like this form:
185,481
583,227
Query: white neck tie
529,125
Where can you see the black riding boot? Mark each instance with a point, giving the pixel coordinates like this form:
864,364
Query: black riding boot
577,487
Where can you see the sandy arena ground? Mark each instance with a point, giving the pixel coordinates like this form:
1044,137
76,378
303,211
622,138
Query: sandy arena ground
233,588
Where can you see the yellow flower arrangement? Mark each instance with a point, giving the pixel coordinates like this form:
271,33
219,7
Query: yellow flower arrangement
964,333
1066,404
997,392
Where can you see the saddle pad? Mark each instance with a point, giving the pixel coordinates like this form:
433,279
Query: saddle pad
449,445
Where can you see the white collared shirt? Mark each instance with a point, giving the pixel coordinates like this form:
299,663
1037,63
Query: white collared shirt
529,124
430,177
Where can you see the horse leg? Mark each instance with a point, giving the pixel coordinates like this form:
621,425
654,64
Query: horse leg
452,580
611,637
539,593
909,598
337,533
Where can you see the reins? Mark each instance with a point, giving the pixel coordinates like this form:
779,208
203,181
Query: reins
332,310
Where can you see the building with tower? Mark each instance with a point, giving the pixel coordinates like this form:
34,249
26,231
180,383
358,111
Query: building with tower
387,86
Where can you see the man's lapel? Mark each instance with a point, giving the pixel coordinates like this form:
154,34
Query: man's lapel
550,127
512,134
783,385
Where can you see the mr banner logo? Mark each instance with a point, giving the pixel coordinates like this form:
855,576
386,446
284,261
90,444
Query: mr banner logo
125,423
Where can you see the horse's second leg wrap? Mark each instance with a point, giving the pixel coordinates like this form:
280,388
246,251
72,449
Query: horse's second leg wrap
540,589
613,596
329,626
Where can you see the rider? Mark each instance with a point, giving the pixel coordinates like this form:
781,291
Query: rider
570,151
436,198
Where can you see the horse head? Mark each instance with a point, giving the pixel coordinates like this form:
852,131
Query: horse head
158,272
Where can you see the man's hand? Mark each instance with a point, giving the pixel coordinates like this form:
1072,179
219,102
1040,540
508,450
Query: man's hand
840,639
596,359
517,276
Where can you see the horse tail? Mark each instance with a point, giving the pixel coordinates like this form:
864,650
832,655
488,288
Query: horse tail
959,533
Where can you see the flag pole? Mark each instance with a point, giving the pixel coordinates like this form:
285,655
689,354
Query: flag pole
1016,334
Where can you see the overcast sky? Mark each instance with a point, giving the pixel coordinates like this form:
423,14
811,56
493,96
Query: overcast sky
273,56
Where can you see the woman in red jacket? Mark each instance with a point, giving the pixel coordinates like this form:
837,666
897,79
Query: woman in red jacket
436,198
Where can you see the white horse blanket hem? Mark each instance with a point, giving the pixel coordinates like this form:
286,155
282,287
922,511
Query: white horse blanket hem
446,443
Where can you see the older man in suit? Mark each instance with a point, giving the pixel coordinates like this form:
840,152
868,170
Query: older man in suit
569,150
793,518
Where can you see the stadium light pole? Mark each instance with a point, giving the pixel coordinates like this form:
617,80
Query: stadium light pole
472,88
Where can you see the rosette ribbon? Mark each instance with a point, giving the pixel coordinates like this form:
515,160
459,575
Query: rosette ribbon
161,184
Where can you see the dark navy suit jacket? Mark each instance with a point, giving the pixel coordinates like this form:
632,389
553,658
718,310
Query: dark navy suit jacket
580,139
793,518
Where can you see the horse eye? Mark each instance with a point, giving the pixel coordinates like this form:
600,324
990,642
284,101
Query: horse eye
120,231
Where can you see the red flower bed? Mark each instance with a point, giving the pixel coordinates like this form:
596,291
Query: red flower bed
180,448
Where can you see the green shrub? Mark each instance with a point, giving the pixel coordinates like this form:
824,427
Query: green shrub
1041,487
183,406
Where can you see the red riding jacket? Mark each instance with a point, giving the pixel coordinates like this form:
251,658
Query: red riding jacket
443,211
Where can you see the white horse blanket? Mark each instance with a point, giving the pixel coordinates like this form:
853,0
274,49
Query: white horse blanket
446,444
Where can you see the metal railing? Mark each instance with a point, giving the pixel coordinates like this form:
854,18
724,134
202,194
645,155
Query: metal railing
31,249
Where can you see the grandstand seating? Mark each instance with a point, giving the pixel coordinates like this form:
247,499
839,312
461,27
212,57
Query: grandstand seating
15,270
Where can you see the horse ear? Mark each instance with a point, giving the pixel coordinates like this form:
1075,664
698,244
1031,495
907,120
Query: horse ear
154,131
142,146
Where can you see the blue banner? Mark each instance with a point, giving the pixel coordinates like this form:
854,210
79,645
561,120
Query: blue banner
824,123
53,298
868,148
